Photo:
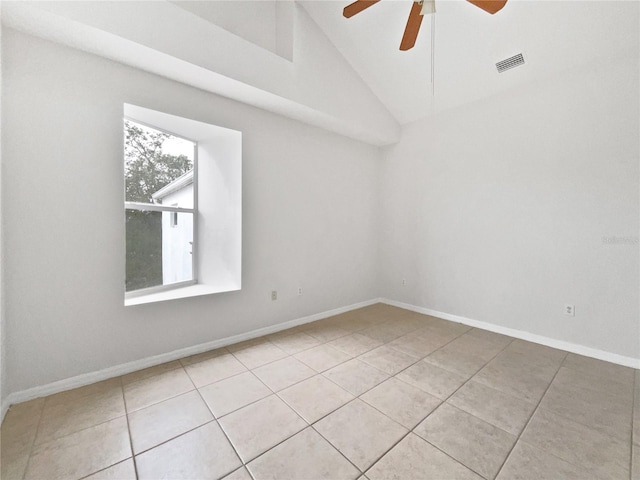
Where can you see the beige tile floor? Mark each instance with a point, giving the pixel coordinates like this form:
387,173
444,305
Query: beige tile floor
376,393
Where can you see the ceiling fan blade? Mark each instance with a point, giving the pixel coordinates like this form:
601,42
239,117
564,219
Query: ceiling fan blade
357,6
412,28
490,6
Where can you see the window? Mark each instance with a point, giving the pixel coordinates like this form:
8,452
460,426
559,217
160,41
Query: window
174,217
183,232
160,209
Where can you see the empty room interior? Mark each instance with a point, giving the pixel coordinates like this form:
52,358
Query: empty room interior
302,239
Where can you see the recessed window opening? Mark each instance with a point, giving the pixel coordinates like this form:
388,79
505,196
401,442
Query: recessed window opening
160,173
183,207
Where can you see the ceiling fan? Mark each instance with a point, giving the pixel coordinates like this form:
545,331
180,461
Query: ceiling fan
418,10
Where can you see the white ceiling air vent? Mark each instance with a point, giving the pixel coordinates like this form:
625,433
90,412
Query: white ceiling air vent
510,62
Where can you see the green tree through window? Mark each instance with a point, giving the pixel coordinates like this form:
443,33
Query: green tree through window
147,168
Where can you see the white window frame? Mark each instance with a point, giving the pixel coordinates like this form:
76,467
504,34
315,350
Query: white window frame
155,207
219,209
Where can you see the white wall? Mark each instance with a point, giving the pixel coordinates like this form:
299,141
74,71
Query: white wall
255,21
497,211
266,23
3,363
297,89
309,217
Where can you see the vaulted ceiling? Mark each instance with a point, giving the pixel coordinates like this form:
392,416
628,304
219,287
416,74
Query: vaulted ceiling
305,60
552,35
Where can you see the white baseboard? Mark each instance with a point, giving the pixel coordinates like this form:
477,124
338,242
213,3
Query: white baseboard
122,369
92,377
531,337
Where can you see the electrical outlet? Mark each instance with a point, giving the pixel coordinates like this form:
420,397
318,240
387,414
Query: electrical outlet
570,310
299,290
404,282
274,295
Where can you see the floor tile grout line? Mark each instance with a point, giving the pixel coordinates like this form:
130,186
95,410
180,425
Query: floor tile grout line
308,424
394,420
193,381
423,358
113,465
533,412
351,354
235,450
597,377
377,368
55,439
348,391
633,418
274,394
409,430
464,411
255,401
578,422
327,342
133,457
262,364
102,423
287,353
446,399
174,437
390,375
451,456
241,467
152,375
224,352
412,364
164,399
246,465
38,425
32,444
296,351
583,424
295,383
442,402
79,430
223,379
82,430
250,403
127,412
326,369
518,395
360,471
350,332
305,421
274,446
323,416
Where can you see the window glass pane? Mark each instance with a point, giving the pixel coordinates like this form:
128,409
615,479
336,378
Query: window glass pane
177,247
158,169
157,166
158,253
144,249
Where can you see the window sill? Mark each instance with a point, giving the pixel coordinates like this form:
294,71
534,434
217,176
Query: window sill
183,292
